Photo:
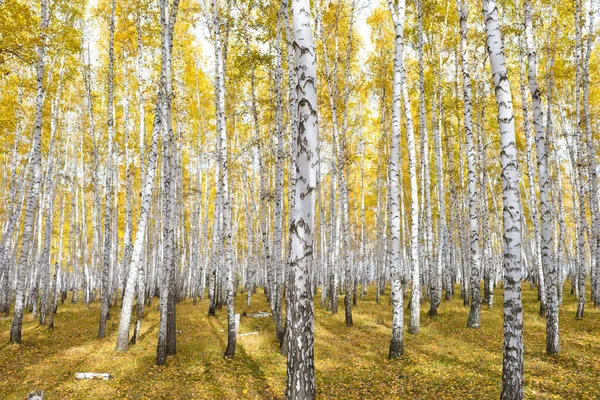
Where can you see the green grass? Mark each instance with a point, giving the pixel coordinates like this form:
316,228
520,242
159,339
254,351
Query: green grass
444,360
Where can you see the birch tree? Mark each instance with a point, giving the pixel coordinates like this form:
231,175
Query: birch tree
473,320
512,363
108,236
397,10
33,192
546,245
300,381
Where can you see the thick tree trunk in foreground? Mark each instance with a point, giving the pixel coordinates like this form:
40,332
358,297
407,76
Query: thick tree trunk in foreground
512,365
300,382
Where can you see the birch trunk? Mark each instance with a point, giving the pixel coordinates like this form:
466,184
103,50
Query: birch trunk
398,10
512,365
415,303
278,220
473,320
594,237
300,382
34,187
581,258
108,237
546,244
165,344
135,266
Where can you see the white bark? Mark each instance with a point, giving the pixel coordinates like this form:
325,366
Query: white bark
397,341
300,382
546,245
473,320
34,187
415,305
108,236
512,366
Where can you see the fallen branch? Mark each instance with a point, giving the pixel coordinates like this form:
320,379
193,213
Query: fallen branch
93,375
247,334
260,314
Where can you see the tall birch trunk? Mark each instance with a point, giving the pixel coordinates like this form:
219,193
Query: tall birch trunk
473,320
135,266
415,303
546,244
512,363
165,344
108,237
397,9
278,220
300,381
36,176
594,237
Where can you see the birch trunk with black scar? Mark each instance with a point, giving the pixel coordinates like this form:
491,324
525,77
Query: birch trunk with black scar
324,255
96,209
397,10
293,133
488,281
343,169
442,250
594,237
333,290
278,220
44,259
557,185
205,236
108,237
226,239
580,166
166,300
473,320
338,170
426,224
16,188
114,264
546,245
135,266
380,256
53,297
448,244
363,223
87,295
512,364
415,303
34,187
264,190
128,234
215,248
249,209
531,172
300,381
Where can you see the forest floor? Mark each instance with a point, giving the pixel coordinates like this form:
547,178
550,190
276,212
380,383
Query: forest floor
444,360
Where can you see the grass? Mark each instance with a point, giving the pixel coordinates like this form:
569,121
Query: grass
444,360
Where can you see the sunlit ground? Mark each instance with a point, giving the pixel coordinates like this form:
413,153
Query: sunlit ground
445,359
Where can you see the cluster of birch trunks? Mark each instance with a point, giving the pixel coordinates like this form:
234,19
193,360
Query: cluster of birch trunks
295,223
